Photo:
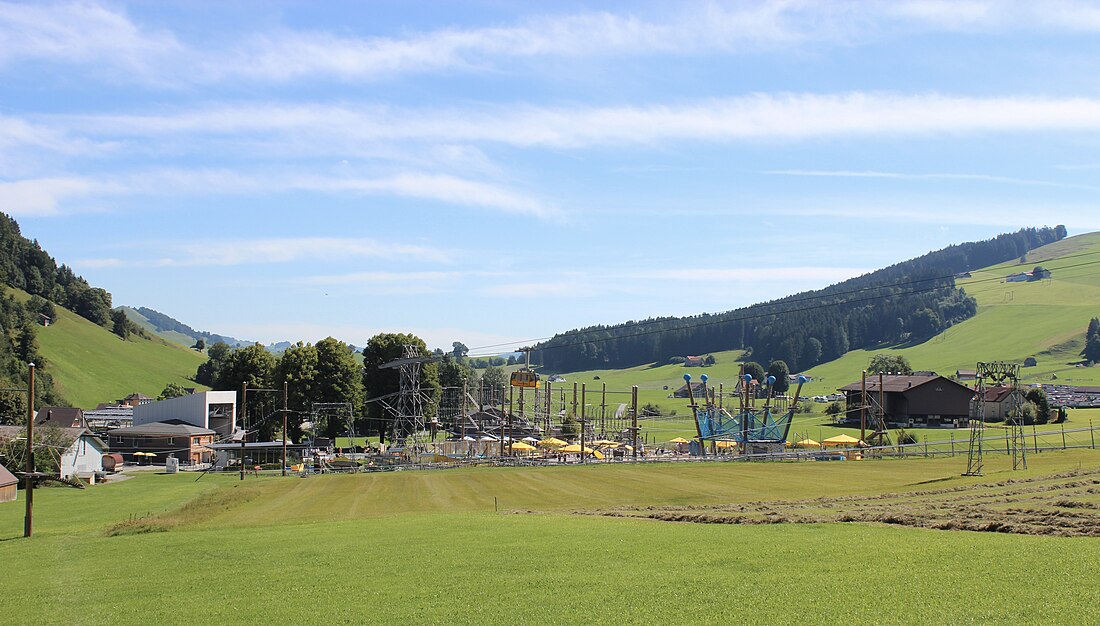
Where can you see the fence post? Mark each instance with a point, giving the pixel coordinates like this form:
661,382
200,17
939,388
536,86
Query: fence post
1063,436
1092,435
1034,439
952,444
926,446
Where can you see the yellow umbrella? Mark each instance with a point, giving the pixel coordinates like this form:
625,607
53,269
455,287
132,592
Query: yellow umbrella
842,440
577,448
552,442
807,443
519,445
606,442
725,444
678,440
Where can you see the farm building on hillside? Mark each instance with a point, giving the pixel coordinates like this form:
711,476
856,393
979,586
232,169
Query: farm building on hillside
187,442
694,361
917,400
79,451
135,399
682,392
998,402
215,410
8,485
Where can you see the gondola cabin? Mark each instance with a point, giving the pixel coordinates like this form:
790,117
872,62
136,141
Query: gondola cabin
525,378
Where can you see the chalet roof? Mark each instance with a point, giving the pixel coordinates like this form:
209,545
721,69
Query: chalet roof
7,478
897,383
997,393
169,428
68,417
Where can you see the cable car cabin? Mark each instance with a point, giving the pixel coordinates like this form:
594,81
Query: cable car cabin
525,378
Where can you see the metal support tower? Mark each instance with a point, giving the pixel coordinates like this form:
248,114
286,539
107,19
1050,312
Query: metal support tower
408,406
997,372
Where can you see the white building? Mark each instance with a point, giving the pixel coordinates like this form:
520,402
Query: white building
84,457
215,410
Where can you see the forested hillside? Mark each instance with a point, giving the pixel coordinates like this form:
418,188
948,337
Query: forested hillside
176,330
908,301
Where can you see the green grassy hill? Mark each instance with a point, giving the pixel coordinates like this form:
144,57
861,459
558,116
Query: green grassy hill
1045,320
173,336
92,365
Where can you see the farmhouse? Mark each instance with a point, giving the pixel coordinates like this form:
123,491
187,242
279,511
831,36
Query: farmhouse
998,402
213,410
8,485
186,442
694,361
917,400
682,392
80,452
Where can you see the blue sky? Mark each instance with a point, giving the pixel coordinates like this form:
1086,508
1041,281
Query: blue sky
493,172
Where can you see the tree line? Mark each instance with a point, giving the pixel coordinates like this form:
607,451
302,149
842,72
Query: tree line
907,302
329,372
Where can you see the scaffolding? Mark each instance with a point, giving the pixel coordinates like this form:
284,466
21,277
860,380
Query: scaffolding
998,372
410,404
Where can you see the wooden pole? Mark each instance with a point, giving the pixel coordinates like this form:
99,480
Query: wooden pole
511,392
603,411
284,426
244,431
634,421
28,520
1063,436
881,404
500,432
695,412
863,407
1092,434
584,401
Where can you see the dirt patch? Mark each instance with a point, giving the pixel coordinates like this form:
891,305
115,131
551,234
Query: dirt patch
1041,505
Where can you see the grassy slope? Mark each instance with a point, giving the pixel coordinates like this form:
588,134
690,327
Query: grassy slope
170,335
91,365
1046,320
426,546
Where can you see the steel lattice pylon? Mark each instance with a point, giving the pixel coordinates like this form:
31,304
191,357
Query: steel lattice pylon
408,406
998,372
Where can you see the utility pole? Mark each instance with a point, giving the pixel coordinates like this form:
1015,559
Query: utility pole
502,418
863,407
284,426
511,394
584,401
244,431
634,421
28,520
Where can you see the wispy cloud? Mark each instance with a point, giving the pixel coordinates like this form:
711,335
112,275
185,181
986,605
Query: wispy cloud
934,176
786,117
108,39
50,195
228,252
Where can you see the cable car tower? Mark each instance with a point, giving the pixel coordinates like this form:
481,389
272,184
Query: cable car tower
408,404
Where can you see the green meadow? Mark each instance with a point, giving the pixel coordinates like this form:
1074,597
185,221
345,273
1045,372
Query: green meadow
511,545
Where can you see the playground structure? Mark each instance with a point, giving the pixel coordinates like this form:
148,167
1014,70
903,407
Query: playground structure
754,430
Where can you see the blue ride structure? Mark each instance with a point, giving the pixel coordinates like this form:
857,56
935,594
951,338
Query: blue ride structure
753,428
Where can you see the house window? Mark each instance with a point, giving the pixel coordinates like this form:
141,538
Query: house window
170,441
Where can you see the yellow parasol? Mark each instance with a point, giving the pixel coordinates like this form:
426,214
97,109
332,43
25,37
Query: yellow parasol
552,442
519,445
842,440
807,443
678,440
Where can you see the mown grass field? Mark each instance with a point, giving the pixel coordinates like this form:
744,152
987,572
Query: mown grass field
428,547
92,365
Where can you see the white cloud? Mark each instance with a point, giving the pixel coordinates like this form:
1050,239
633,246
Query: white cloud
48,196
107,39
786,117
84,33
934,176
228,252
